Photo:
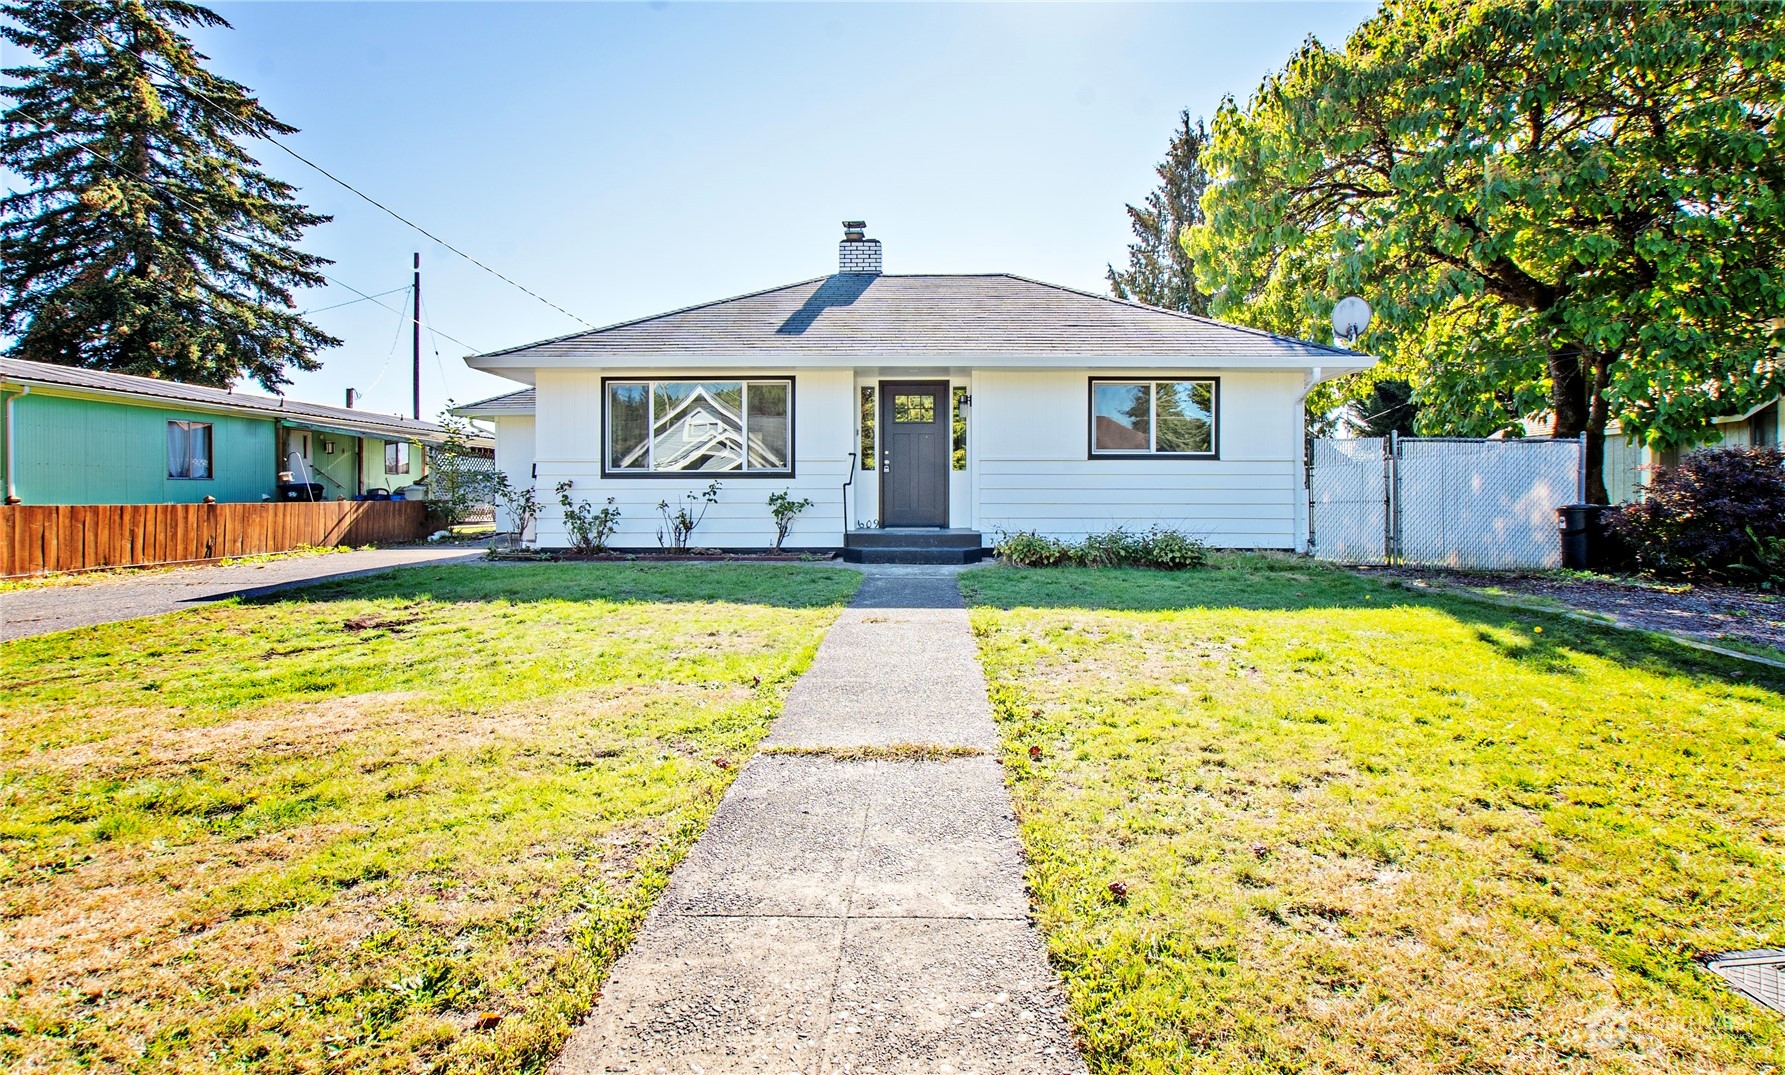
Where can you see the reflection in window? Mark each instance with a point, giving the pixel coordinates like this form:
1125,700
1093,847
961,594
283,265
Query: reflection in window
869,460
695,426
1153,417
914,408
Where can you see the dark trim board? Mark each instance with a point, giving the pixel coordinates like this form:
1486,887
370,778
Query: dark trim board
793,394
1091,451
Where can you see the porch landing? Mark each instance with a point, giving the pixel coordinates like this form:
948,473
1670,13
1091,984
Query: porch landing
913,545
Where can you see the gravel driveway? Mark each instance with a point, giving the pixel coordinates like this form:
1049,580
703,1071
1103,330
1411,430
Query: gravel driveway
42,609
1708,613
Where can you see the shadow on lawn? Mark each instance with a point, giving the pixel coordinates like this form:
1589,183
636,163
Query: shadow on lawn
776,585
1279,584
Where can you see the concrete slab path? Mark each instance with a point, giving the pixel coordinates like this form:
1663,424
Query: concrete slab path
850,916
41,609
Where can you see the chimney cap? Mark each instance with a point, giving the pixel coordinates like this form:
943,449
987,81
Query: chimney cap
855,230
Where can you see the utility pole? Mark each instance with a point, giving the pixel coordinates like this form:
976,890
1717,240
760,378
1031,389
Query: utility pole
417,370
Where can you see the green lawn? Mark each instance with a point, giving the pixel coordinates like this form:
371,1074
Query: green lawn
1363,829
326,832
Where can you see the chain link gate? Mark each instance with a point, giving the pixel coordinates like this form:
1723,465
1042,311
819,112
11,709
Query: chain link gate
1442,501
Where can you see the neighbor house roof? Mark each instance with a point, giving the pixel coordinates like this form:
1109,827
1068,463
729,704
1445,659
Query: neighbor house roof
496,406
885,318
81,381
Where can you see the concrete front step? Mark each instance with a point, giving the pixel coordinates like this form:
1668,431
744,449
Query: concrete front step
913,545
913,537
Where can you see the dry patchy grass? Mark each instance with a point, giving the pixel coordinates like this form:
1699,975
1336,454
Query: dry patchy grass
1360,829
254,838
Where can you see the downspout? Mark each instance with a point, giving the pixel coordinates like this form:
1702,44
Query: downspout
12,489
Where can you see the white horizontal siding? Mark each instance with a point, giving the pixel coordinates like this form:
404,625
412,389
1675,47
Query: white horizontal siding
1033,470
570,448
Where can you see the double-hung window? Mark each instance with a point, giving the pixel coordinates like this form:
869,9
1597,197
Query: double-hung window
1164,418
677,427
189,450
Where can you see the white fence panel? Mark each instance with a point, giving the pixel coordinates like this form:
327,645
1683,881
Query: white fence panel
1488,504
1349,498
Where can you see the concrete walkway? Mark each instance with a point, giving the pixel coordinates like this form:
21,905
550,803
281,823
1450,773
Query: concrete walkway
850,916
40,610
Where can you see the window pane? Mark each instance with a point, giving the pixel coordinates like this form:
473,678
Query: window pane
198,445
919,408
697,425
628,422
179,460
768,425
960,428
1120,417
1186,412
869,460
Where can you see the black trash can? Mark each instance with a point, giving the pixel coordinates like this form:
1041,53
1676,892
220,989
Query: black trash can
1582,528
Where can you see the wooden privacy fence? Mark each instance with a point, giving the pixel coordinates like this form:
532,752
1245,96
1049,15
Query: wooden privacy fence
38,538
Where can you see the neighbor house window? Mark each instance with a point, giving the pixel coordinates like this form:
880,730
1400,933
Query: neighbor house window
870,460
189,449
677,427
396,457
1153,417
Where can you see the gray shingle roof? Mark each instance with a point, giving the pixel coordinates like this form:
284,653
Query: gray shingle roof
510,403
13,370
879,317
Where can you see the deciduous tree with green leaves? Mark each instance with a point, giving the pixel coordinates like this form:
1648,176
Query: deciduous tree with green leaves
1565,210
147,240
1159,271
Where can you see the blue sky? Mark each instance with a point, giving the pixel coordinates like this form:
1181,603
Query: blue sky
623,160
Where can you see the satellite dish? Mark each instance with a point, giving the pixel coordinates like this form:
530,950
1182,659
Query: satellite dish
1351,315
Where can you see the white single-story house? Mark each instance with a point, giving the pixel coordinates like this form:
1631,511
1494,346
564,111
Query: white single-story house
920,414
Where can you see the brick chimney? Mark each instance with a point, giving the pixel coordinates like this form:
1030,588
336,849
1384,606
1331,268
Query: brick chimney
857,254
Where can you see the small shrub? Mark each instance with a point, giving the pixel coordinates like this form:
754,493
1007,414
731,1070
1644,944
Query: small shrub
522,505
784,508
589,526
1160,547
679,524
1719,515
1026,548
1169,550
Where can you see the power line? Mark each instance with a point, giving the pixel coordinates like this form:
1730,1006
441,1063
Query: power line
174,77
349,302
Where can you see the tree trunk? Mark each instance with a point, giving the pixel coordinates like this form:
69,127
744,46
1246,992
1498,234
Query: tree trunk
1597,416
1568,391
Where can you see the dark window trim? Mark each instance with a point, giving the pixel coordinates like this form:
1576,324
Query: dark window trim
210,442
687,475
1091,451
406,453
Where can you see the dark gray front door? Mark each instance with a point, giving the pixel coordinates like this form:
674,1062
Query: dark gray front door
914,447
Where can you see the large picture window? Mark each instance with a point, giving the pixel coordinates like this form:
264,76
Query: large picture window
677,427
189,450
1172,418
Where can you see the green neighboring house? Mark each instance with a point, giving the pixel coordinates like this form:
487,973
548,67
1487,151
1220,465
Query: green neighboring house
81,436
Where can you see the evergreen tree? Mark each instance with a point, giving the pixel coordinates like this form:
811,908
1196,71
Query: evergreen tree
148,241
1386,406
1159,270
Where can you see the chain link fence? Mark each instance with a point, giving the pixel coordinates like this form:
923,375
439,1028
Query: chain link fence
1442,501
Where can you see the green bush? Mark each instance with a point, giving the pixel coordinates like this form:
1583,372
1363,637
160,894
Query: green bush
1159,547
